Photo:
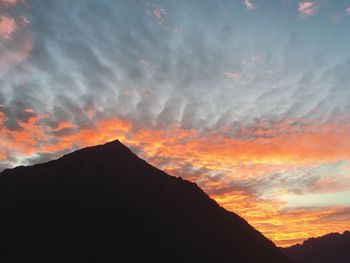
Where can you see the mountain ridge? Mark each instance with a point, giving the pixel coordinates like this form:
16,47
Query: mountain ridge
330,248
104,202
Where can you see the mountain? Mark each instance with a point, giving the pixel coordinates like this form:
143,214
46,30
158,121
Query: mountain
331,248
104,204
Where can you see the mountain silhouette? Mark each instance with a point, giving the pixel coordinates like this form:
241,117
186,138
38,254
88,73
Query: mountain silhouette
331,248
104,204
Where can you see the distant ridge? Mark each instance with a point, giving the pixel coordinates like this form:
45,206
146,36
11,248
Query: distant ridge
331,248
104,204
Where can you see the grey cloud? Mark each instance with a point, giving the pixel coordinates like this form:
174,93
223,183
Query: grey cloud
45,157
114,57
9,161
297,181
171,112
64,132
342,215
19,106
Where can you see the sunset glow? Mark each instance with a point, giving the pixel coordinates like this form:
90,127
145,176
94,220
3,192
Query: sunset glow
263,128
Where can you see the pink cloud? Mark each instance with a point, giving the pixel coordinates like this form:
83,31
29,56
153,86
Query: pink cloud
159,14
307,9
9,2
249,5
15,57
233,75
348,11
25,20
8,26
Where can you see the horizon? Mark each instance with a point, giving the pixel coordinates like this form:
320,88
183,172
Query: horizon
248,99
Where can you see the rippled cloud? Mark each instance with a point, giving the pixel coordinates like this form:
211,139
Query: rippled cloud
256,112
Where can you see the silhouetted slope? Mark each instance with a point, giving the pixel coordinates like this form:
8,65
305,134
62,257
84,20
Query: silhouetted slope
104,204
331,248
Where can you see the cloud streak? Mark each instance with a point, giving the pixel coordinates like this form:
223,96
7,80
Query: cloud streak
249,5
307,9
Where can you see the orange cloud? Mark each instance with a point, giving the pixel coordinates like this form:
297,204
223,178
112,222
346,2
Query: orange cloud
216,159
286,226
8,26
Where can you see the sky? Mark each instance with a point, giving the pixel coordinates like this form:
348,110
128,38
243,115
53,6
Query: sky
249,99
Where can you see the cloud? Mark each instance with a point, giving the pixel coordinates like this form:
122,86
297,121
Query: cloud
307,9
15,41
156,11
10,2
45,157
347,11
8,26
314,218
171,70
159,14
249,5
24,20
245,109
233,75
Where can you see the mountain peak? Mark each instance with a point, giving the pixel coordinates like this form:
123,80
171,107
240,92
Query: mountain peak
103,203
109,152
113,143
